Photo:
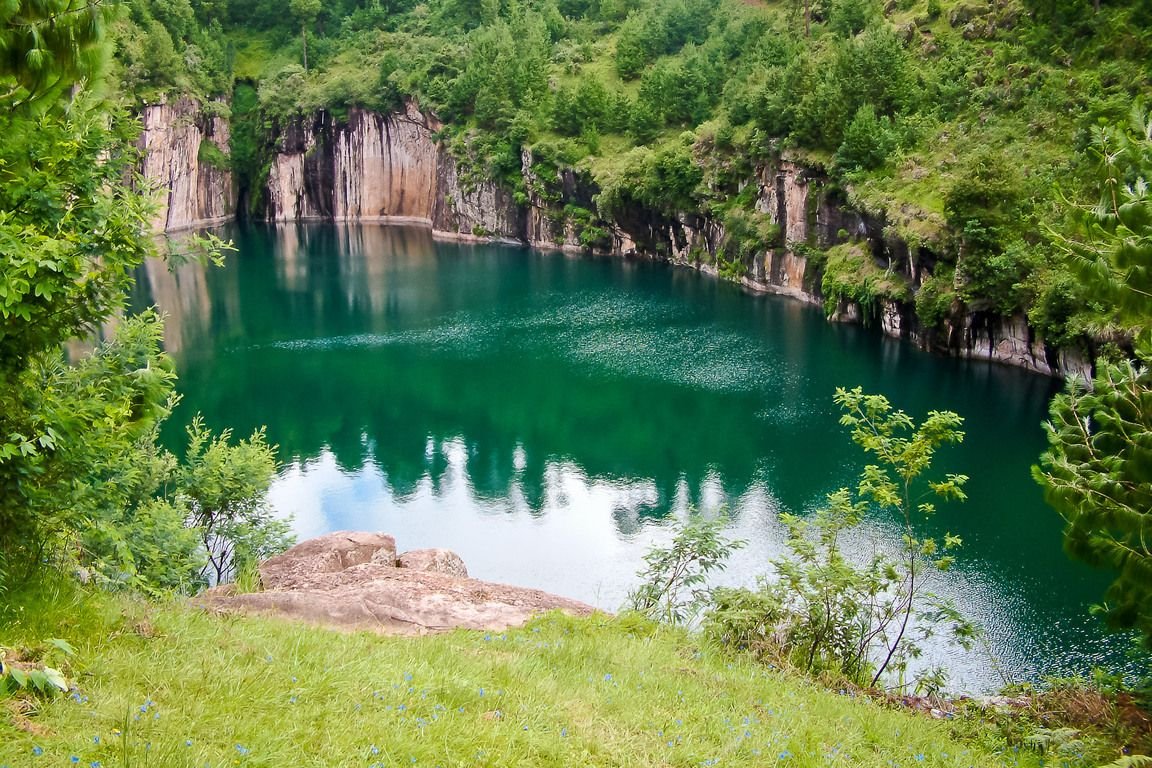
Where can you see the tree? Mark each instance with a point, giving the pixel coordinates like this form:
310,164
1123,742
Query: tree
70,231
48,45
82,480
1097,471
305,12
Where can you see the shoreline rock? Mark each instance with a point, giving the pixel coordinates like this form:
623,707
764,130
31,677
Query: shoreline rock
356,580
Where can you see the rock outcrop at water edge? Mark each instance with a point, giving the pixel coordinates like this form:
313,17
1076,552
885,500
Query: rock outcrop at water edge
356,580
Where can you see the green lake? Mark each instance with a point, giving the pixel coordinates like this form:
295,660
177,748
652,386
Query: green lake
549,416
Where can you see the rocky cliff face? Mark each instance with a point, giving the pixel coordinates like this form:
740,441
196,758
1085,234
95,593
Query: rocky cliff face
391,168
184,162
374,167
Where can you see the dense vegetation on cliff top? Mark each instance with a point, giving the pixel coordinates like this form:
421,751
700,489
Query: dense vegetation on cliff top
964,126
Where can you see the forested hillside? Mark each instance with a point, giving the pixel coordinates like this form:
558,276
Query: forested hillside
963,131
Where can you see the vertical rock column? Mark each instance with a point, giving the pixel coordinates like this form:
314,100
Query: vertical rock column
184,164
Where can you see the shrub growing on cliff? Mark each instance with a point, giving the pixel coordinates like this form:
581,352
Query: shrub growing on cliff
868,141
852,275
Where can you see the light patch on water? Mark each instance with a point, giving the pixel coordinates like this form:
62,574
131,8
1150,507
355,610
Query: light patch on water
583,310
459,333
618,335
722,362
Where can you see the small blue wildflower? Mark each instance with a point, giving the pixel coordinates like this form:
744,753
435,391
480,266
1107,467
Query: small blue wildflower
785,755
95,764
607,675
291,699
563,733
375,750
919,757
242,749
37,750
74,759
95,739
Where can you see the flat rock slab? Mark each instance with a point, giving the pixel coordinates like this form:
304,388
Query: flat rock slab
351,581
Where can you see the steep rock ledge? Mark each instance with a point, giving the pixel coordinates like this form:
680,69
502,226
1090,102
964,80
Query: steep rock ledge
389,168
184,154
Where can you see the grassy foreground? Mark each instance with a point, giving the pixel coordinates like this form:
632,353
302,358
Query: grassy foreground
167,685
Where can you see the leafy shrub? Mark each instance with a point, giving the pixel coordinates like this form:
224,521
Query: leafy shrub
850,17
225,488
935,297
672,585
994,279
826,612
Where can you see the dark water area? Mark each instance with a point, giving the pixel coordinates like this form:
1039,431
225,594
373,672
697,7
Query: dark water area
550,416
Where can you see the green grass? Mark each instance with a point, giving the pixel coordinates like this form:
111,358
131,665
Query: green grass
171,686
257,55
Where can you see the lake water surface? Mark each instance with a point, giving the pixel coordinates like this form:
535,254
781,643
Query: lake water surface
549,417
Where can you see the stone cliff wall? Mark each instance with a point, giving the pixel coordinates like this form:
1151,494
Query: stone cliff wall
374,167
183,158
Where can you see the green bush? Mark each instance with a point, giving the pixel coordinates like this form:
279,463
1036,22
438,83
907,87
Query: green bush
935,297
673,585
868,141
852,274
825,611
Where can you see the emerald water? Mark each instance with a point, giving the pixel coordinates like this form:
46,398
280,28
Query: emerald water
549,417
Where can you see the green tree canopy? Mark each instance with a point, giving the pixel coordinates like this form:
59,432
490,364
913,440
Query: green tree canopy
48,45
81,476
1097,471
